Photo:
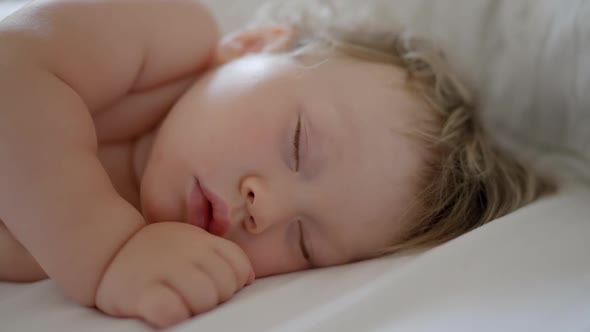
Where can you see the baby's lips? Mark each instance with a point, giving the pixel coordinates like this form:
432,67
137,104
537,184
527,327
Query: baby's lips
251,278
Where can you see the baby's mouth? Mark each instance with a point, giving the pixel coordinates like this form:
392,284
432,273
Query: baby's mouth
207,211
200,209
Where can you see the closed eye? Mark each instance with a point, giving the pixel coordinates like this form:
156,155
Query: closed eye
302,244
296,143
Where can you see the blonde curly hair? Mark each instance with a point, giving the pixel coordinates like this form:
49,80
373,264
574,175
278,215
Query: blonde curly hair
467,181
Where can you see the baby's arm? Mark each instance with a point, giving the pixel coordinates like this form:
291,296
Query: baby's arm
62,61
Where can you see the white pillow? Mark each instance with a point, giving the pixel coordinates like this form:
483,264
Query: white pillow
8,7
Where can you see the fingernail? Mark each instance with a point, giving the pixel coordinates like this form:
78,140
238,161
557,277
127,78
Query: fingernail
251,278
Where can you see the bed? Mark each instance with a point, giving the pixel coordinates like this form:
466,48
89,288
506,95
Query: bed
528,271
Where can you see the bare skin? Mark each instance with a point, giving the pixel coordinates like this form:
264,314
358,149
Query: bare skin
68,107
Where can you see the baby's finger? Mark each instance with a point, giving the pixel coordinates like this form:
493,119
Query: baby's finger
196,288
162,307
222,275
238,260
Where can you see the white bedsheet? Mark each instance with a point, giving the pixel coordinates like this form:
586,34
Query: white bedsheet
529,271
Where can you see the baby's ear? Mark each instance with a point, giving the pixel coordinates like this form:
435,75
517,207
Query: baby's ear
266,39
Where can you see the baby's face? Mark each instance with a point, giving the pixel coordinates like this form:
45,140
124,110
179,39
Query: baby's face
307,164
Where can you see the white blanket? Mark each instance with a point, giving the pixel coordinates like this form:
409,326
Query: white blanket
529,271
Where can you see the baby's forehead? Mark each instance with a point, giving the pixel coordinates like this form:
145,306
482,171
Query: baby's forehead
374,99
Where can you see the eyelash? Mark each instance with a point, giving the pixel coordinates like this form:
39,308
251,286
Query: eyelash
296,156
296,142
304,251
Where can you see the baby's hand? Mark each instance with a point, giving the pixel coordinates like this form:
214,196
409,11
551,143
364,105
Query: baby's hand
168,272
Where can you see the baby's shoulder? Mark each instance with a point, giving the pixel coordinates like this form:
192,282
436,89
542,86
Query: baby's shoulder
138,113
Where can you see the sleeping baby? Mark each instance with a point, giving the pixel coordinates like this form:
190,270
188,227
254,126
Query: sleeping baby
152,170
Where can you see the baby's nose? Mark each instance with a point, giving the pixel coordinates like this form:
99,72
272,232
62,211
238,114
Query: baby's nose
249,188
264,207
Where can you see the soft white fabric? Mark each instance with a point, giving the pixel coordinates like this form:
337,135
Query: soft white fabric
7,7
529,271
